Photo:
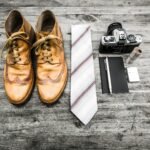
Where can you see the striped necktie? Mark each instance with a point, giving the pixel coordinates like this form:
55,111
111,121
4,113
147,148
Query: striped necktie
83,88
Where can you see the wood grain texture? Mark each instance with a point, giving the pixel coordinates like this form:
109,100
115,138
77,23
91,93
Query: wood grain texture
122,121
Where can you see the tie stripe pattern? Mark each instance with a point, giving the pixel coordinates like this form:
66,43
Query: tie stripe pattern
83,88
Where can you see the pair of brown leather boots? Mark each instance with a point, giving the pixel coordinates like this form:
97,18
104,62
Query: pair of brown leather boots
47,44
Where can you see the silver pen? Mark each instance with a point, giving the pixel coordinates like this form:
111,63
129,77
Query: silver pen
108,75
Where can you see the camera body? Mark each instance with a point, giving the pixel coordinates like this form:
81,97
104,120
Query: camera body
117,40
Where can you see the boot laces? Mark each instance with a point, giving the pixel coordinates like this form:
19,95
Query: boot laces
11,46
43,48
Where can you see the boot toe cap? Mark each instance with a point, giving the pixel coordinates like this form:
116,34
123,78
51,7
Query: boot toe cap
49,93
17,94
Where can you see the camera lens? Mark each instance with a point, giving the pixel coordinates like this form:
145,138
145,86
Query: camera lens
131,38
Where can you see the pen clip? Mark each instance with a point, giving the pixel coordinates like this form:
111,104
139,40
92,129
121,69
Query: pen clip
105,64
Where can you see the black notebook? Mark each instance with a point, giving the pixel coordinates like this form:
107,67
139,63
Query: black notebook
117,74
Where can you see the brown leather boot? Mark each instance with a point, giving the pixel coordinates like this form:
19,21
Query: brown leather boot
18,71
51,64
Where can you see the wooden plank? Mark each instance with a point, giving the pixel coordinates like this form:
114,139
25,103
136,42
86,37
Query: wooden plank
82,10
122,121
72,3
113,123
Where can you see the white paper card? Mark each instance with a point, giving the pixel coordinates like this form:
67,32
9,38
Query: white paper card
133,74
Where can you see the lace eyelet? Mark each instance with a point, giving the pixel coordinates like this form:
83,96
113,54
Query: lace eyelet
44,47
14,42
47,44
47,47
13,46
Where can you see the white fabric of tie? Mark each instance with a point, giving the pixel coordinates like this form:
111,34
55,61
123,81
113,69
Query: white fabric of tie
83,87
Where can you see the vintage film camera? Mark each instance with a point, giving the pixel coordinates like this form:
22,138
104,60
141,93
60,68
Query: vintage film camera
117,40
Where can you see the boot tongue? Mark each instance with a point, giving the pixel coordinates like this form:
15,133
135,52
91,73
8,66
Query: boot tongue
10,57
44,33
22,29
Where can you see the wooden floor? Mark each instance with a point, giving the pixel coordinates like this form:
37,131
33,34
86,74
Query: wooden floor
122,121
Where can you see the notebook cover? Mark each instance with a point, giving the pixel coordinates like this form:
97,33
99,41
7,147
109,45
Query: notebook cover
117,73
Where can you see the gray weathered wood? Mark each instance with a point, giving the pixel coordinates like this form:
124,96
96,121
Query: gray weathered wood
122,120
